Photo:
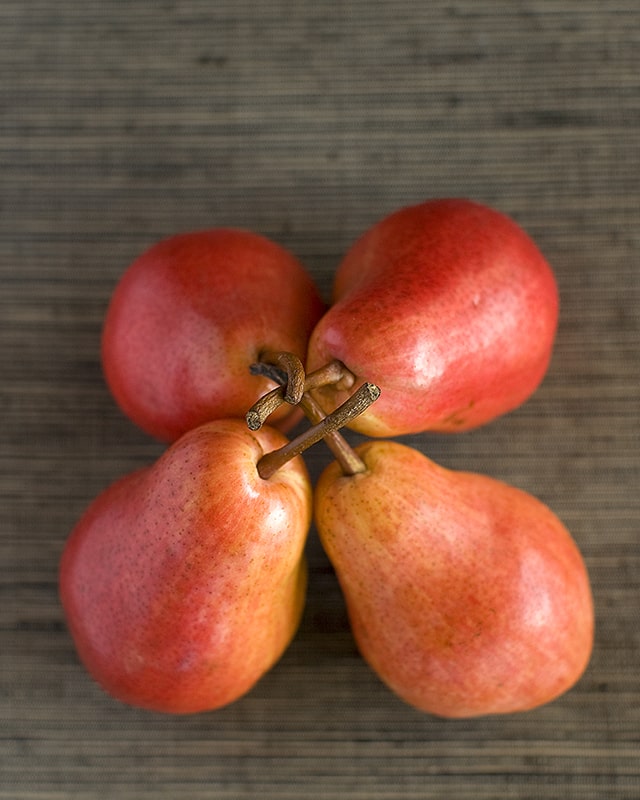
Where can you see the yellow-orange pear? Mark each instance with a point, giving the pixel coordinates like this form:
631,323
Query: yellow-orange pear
466,596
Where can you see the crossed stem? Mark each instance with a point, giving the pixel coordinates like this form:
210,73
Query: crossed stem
284,368
327,426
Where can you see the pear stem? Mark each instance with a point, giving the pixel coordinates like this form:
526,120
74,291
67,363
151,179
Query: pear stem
257,415
350,462
351,408
292,367
332,373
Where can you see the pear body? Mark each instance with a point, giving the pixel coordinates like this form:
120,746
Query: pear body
466,596
450,308
189,317
184,582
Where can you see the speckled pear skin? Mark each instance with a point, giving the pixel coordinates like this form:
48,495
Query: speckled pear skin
467,597
450,308
184,582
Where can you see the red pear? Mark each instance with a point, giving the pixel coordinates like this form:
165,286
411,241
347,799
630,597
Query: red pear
184,582
190,316
466,596
450,308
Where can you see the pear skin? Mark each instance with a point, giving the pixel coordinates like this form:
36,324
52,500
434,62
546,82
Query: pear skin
184,582
466,596
450,308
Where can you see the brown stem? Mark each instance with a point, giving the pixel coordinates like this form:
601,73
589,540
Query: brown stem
257,415
350,462
332,373
351,408
291,365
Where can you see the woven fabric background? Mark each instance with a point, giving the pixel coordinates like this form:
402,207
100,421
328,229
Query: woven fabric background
121,123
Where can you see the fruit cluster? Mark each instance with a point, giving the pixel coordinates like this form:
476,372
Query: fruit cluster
184,582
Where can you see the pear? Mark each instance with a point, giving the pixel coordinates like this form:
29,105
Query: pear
184,582
188,318
466,596
450,308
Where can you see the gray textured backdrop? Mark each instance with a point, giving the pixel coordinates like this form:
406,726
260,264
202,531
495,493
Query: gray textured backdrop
125,122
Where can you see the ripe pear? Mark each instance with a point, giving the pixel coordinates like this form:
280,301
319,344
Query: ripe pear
191,315
466,596
184,582
450,308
